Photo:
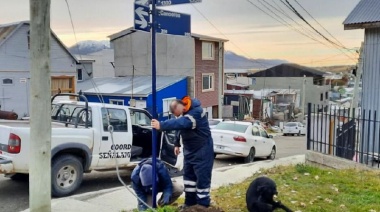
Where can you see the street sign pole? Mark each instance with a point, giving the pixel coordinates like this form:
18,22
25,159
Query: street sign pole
154,102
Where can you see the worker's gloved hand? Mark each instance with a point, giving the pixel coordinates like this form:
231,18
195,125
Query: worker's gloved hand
165,200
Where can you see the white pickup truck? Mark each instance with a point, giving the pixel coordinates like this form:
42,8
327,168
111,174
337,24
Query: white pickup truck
81,145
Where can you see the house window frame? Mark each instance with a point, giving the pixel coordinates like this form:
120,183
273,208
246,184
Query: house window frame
167,107
112,101
81,70
7,78
212,57
211,85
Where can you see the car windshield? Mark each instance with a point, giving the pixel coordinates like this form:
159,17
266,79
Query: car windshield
213,122
291,124
232,127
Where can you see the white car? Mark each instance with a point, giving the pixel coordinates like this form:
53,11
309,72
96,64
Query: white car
213,122
294,128
243,139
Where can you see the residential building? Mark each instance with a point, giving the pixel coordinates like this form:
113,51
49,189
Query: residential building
135,91
15,67
85,68
104,63
238,83
200,58
366,16
293,76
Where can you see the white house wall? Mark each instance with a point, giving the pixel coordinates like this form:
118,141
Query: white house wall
370,90
102,66
14,54
175,54
15,64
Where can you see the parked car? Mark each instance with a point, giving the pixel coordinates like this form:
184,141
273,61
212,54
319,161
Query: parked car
294,128
243,139
213,122
82,143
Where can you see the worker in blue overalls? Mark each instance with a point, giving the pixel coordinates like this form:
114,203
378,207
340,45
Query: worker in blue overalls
194,129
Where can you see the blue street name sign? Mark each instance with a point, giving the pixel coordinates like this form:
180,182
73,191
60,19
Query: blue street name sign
174,2
173,23
142,17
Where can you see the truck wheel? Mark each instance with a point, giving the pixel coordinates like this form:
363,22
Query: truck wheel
67,175
251,156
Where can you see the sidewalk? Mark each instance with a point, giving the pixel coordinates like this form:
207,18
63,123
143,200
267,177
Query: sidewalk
119,199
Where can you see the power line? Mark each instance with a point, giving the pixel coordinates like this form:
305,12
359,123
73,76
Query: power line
317,31
233,43
285,23
321,25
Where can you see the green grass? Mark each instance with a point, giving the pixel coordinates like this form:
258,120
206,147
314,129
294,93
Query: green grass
307,188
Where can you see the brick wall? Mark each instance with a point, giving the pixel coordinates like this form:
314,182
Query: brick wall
207,98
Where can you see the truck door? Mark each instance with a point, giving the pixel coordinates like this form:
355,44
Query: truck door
167,155
122,138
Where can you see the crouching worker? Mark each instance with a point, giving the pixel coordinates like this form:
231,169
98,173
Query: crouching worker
142,184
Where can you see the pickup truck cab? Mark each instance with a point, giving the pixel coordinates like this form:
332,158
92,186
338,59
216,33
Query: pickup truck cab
81,145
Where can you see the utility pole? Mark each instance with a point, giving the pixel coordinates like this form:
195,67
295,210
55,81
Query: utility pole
40,116
359,71
304,96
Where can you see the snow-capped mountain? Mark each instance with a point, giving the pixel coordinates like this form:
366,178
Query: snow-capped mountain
89,46
235,61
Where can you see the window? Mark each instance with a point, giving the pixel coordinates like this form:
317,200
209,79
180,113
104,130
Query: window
321,97
213,122
263,133
207,82
166,106
79,74
255,131
327,95
117,101
232,127
117,119
140,118
291,124
7,81
207,51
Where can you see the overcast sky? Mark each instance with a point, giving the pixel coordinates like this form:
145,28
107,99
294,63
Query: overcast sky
251,32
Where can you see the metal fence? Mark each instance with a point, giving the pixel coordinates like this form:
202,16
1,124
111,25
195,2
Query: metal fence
353,135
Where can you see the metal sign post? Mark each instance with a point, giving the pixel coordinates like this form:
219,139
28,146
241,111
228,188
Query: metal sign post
167,22
154,103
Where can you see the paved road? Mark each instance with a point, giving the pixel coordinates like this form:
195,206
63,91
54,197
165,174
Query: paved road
14,195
